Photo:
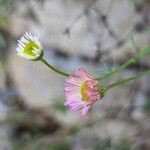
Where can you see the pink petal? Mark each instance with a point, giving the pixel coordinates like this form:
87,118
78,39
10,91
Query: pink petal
74,105
73,80
74,99
84,110
69,102
73,96
81,72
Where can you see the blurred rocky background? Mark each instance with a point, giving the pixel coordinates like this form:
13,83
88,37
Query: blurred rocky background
95,34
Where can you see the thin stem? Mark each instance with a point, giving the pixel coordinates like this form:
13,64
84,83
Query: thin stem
126,80
132,60
54,69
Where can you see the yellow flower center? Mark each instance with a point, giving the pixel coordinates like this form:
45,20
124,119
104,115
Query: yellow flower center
82,91
28,48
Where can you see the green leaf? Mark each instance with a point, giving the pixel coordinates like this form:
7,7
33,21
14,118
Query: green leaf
106,66
133,41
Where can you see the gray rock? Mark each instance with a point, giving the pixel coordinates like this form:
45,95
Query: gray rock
50,22
35,82
104,133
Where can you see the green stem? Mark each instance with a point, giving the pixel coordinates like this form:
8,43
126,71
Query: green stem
126,80
54,69
132,60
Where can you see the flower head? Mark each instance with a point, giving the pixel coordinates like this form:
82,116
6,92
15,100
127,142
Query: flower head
29,47
81,91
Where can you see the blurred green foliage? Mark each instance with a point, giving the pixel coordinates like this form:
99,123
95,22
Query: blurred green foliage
59,105
146,106
59,145
4,2
37,144
2,41
108,145
147,30
123,145
17,143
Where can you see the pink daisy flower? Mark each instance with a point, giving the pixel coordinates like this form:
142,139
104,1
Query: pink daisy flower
81,91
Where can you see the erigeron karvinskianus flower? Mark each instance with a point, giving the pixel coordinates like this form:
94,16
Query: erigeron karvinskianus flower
29,47
81,91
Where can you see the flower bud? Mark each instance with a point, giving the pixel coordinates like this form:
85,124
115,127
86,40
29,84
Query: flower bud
29,47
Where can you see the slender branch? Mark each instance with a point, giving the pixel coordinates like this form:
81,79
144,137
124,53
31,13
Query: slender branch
132,60
127,79
54,69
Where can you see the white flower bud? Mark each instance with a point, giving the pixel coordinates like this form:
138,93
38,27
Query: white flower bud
29,47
